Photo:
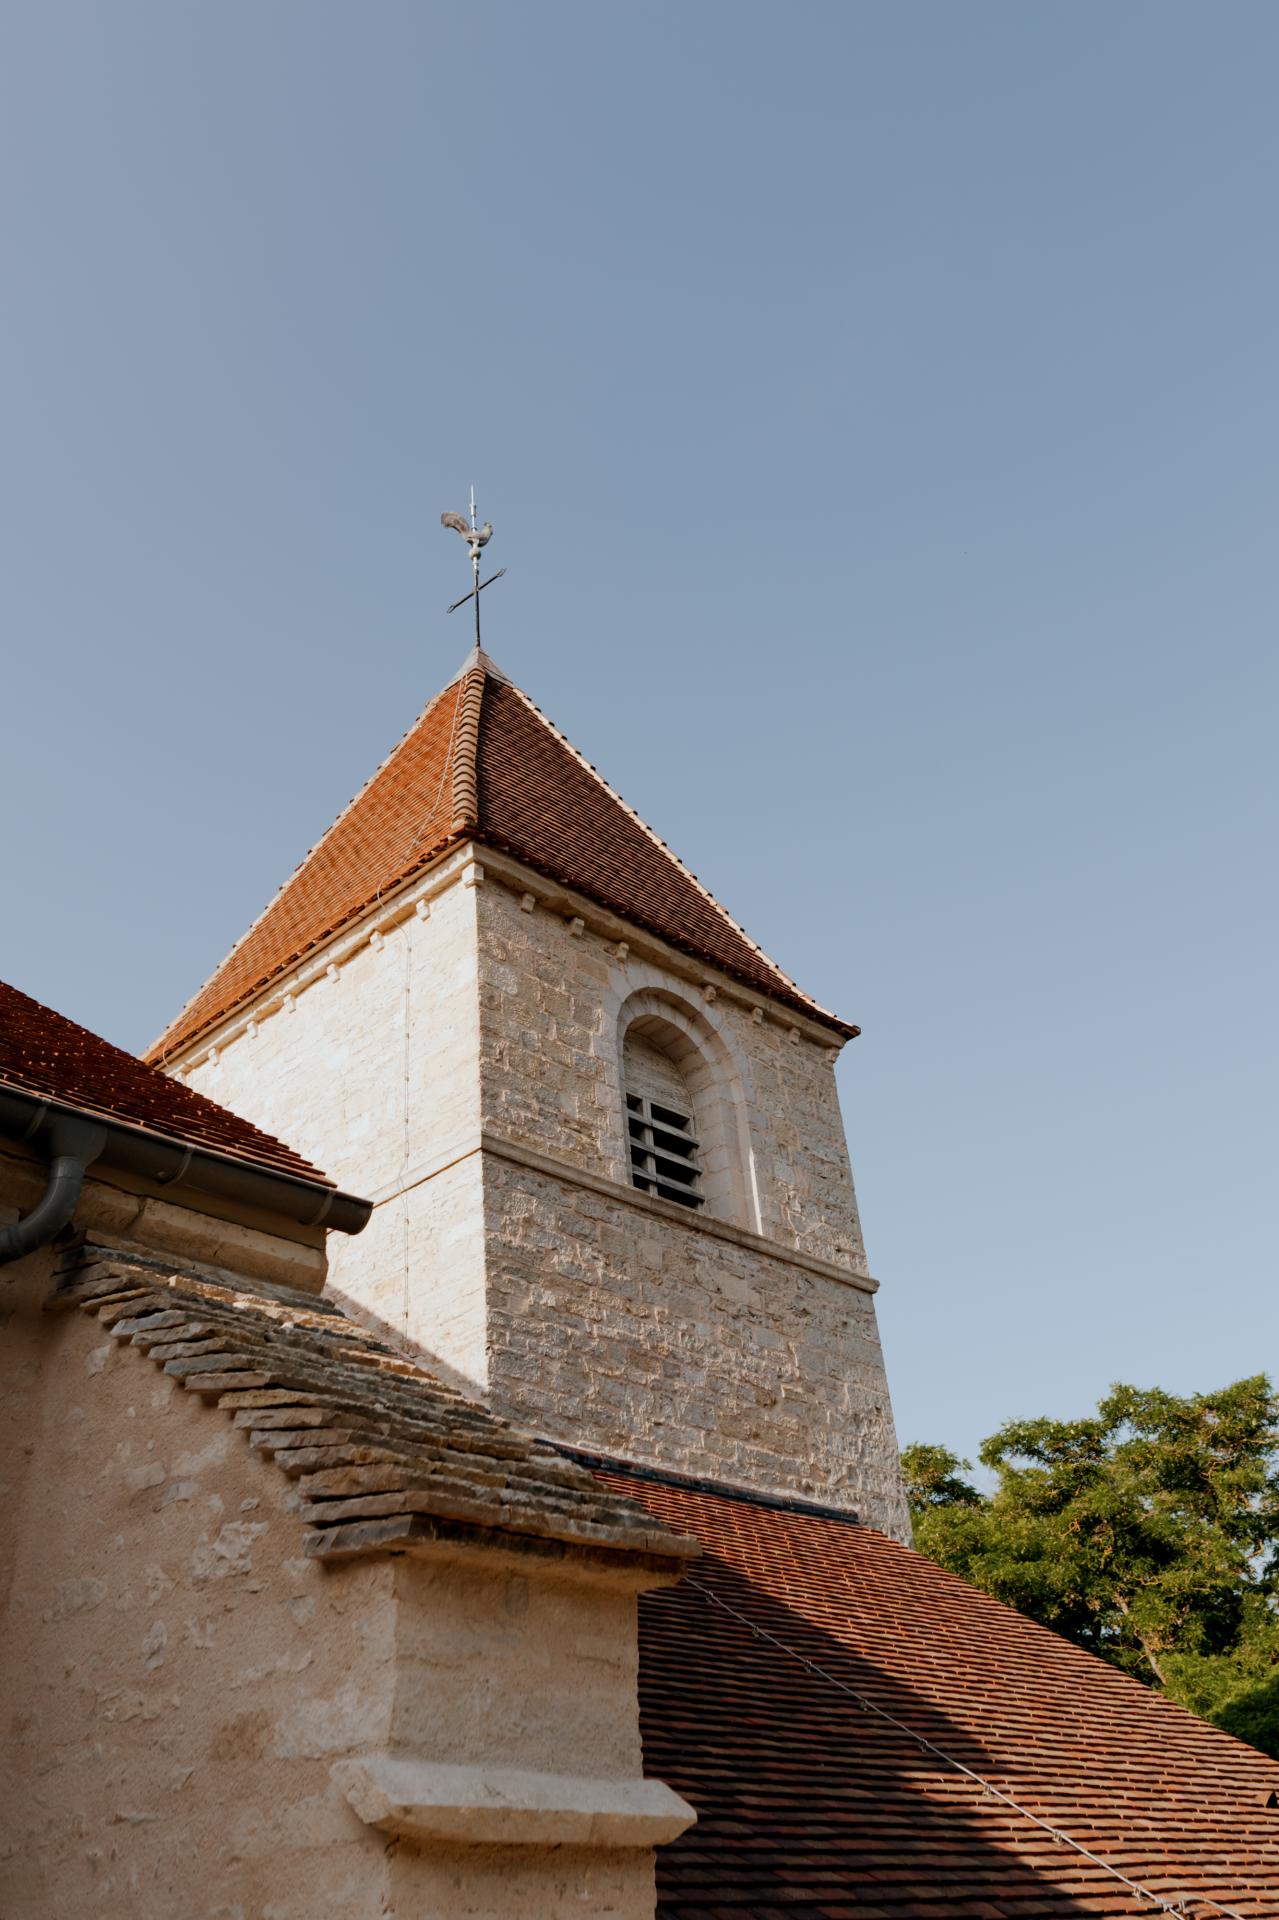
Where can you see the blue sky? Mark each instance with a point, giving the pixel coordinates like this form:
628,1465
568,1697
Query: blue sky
877,407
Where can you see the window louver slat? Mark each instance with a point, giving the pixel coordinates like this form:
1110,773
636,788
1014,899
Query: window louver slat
663,1151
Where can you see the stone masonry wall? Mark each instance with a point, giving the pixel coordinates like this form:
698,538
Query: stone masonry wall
612,1324
617,1327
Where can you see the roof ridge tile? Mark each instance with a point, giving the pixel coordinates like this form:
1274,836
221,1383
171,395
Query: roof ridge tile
671,855
466,788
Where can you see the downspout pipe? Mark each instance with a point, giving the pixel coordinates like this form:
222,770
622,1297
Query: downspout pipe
73,1145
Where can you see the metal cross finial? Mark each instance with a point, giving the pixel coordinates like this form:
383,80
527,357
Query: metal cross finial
476,537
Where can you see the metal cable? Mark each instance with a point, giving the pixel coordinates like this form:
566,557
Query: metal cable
1199,1902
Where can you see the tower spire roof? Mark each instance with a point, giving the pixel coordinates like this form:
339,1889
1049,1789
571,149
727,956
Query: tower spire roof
483,763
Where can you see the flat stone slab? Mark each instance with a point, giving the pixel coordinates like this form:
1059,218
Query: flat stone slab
508,1806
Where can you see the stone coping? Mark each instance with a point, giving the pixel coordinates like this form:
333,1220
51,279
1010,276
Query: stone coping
364,1434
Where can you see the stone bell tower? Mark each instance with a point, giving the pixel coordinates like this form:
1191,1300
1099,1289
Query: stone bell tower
600,1128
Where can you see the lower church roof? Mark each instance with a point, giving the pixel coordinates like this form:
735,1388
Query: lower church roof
863,1735
44,1054
866,1737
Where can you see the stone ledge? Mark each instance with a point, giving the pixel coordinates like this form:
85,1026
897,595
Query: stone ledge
425,1537
130,1215
482,861
522,1156
423,1170
508,1806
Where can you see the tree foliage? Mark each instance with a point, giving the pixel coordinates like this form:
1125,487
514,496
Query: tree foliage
1147,1533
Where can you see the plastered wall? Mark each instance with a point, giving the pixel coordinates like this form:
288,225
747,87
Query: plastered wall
180,1681
177,1678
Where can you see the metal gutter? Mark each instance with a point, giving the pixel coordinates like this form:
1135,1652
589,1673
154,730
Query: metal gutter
167,1162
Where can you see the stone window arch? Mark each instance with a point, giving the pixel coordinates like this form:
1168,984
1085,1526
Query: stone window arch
676,1068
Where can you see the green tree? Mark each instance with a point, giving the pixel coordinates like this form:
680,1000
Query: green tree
1147,1533
932,1480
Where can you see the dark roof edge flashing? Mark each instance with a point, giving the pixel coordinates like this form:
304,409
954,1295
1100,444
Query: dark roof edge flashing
169,1162
695,1483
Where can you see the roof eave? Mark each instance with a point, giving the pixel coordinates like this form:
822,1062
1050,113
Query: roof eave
169,1162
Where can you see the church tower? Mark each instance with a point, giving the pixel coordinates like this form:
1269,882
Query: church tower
599,1126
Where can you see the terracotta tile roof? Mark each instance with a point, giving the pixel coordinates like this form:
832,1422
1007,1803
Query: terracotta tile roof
810,1805
381,1452
44,1053
483,763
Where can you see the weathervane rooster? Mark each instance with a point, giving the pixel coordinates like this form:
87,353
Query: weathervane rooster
475,538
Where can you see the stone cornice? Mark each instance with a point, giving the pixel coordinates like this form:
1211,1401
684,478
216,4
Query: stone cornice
610,926
415,898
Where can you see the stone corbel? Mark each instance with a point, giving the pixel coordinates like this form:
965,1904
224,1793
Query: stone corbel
508,1806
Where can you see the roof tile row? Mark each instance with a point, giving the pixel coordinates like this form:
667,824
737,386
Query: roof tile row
379,1448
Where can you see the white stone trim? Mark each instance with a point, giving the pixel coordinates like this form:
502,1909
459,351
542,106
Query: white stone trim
508,1806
